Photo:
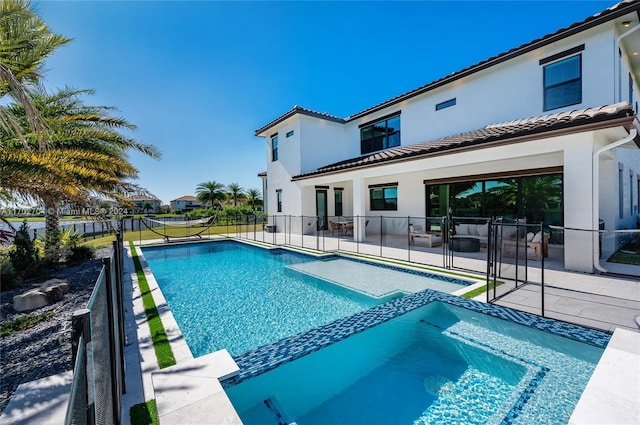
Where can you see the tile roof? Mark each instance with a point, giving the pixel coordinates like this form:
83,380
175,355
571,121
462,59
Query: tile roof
299,110
619,9
491,133
185,198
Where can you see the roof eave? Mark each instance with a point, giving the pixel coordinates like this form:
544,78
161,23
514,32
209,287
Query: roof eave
592,126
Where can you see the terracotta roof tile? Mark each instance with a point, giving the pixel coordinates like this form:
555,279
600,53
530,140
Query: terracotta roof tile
490,133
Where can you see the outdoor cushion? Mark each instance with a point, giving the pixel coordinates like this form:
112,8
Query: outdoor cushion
530,236
482,230
537,238
462,229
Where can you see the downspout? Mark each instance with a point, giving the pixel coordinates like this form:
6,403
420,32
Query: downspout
617,83
596,191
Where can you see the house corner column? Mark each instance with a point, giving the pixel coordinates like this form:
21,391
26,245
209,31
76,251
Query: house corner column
359,210
578,208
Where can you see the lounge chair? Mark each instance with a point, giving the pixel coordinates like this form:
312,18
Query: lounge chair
417,236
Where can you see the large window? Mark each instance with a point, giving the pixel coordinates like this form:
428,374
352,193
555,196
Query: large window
279,199
563,83
384,198
536,198
380,135
337,195
274,147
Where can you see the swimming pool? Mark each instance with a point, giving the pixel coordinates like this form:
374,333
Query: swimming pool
434,363
236,296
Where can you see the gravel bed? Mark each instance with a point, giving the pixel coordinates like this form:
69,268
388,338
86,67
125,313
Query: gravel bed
44,349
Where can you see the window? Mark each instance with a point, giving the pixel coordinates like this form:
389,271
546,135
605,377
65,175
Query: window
380,135
274,147
620,192
631,192
446,104
563,83
337,195
384,198
279,199
290,133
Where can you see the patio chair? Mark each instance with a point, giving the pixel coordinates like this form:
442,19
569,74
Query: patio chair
417,236
335,227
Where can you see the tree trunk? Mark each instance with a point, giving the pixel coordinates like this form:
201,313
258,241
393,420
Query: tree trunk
51,239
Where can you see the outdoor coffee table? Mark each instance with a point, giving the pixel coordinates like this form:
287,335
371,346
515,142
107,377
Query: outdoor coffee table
462,244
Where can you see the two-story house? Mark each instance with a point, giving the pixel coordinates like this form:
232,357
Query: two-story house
185,203
553,121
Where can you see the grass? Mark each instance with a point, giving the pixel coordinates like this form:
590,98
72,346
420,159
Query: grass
625,258
144,413
475,292
161,344
23,322
175,232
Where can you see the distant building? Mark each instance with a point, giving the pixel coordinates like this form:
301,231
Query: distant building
185,203
140,201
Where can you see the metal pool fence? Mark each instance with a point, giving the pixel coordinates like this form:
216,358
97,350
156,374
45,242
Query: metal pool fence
98,349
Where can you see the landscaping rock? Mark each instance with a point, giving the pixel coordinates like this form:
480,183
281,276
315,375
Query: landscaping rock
45,293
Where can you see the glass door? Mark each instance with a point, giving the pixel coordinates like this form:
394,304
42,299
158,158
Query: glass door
321,209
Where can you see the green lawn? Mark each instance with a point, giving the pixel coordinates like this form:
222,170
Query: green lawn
625,258
176,232
161,344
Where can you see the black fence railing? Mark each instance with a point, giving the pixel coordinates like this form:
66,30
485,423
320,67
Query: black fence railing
98,349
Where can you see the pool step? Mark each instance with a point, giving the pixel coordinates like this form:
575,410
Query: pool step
278,413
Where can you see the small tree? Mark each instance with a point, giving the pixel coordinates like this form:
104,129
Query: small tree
146,207
23,252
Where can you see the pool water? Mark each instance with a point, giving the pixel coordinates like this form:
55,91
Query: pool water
438,364
239,297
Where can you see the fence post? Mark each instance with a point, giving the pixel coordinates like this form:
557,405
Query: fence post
409,238
380,236
81,325
114,350
542,246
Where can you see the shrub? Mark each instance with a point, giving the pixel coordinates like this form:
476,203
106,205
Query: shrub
22,252
81,252
9,278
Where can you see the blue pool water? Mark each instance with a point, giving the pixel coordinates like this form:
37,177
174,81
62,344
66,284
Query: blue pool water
239,297
438,364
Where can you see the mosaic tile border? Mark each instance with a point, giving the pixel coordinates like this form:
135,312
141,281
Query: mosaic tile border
268,357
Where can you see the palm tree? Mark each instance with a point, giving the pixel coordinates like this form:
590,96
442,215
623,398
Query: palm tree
86,155
235,193
211,192
25,42
254,197
146,207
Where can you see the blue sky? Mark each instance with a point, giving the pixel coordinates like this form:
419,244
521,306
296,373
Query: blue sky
198,78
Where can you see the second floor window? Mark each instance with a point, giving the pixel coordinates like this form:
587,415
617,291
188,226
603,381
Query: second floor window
563,83
380,135
274,148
